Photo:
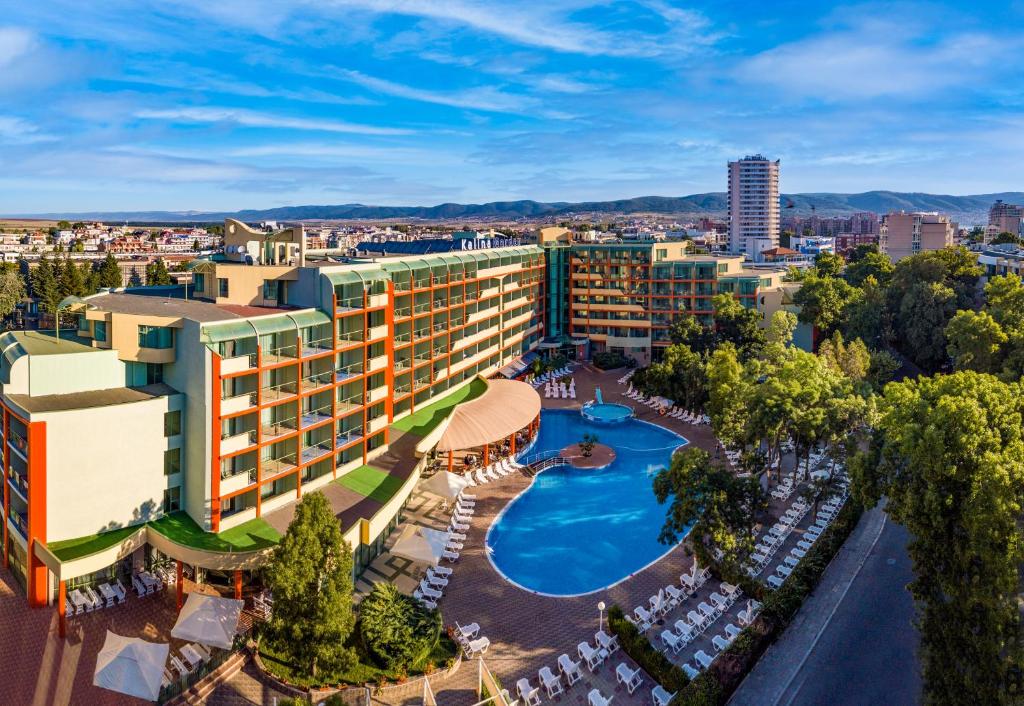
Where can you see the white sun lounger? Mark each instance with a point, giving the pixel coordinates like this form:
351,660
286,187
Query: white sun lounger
569,669
530,695
596,698
673,641
609,643
690,672
660,696
550,680
703,659
591,656
631,678
720,643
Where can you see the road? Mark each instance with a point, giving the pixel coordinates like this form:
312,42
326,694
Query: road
853,643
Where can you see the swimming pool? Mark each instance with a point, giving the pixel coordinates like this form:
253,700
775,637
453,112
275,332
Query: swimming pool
606,412
576,531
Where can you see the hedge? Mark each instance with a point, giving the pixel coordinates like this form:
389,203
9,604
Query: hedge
607,360
716,685
636,645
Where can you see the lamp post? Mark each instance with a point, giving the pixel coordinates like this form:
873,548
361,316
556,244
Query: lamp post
600,619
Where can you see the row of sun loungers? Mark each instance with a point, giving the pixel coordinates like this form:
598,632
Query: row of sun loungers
436,578
826,514
702,660
625,378
558,390
495,471
548,376
569,672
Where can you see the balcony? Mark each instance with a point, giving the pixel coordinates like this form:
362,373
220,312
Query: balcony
238,364
315,416
232,481
311,348
238,403
346,306
378,300
283,427
378,424
20,522
279,392
349,405
377,394
234,443
312,453
314,382
348,436
281,464
378,363
377,332
348,372
19,484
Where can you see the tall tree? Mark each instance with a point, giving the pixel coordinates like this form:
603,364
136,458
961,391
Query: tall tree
157,274
719,507
923,314
828,264
822,301
728,394
738,325
310,574
870,264
687,330
975,340
109,274
12,288
45,286
949,454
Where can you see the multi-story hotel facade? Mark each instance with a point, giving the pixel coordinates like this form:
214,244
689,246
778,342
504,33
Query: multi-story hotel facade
905,234
183,430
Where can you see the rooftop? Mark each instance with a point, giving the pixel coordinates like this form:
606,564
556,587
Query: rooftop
47,343
203,312
91,398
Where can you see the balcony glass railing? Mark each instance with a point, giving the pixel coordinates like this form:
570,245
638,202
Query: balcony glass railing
351,370
280,427
20,522
347,436
235,472
319,414
18,441
19,482
311,453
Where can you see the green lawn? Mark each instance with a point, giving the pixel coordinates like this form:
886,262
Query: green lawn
423,420
247,537
372,483
71,549
179,527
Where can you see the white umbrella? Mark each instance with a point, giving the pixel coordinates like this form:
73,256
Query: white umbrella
447,485
208,620
130,665
422,545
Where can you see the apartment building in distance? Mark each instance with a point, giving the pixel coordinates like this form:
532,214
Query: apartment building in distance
1006,218
753,205
623,296
184,430
904,234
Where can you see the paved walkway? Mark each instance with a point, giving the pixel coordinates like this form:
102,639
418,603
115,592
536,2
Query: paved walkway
852,643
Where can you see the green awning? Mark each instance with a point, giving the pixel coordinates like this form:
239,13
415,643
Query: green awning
343,278
314,317
273,324
227,331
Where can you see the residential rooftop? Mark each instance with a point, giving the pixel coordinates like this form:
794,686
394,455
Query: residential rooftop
140,304
47,342
91,398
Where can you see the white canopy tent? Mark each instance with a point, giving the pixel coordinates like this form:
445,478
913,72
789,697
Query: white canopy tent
420,544
447,485
130,665
208,620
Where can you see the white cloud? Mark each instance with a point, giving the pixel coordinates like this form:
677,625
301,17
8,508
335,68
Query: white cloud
15,131
487,98
543,25
248,118
14,42
872,60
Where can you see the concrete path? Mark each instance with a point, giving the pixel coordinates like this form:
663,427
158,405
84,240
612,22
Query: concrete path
853,642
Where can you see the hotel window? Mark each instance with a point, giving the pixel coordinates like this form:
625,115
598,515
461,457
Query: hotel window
99,331
270,289
198,282
172,423
172,461
222,287
172,499
156,337
138,374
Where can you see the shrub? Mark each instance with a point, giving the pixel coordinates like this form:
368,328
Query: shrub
397,631
702,691
636,645
607,360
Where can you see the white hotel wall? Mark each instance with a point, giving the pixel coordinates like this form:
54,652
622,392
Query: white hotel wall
105,466
64,373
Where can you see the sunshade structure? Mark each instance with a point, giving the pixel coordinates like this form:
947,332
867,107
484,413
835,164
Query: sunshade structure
208,620
447,485
422,545
130,665
505,408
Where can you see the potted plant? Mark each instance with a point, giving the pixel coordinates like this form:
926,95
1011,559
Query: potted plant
587,444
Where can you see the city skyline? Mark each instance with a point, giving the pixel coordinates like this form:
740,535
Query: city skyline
393,103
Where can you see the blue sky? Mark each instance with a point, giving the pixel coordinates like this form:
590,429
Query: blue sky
234,104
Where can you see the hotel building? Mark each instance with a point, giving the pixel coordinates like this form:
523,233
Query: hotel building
162,429
753,205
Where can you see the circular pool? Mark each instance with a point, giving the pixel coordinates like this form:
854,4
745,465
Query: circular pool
606,412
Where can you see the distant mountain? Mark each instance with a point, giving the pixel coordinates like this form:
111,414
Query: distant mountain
714,203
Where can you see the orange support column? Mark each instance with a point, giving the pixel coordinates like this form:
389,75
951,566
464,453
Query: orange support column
179,584
62,620
512,443
37,570
487,455
238,584
451,461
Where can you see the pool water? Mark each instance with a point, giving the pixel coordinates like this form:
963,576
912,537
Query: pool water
607,412
576,531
